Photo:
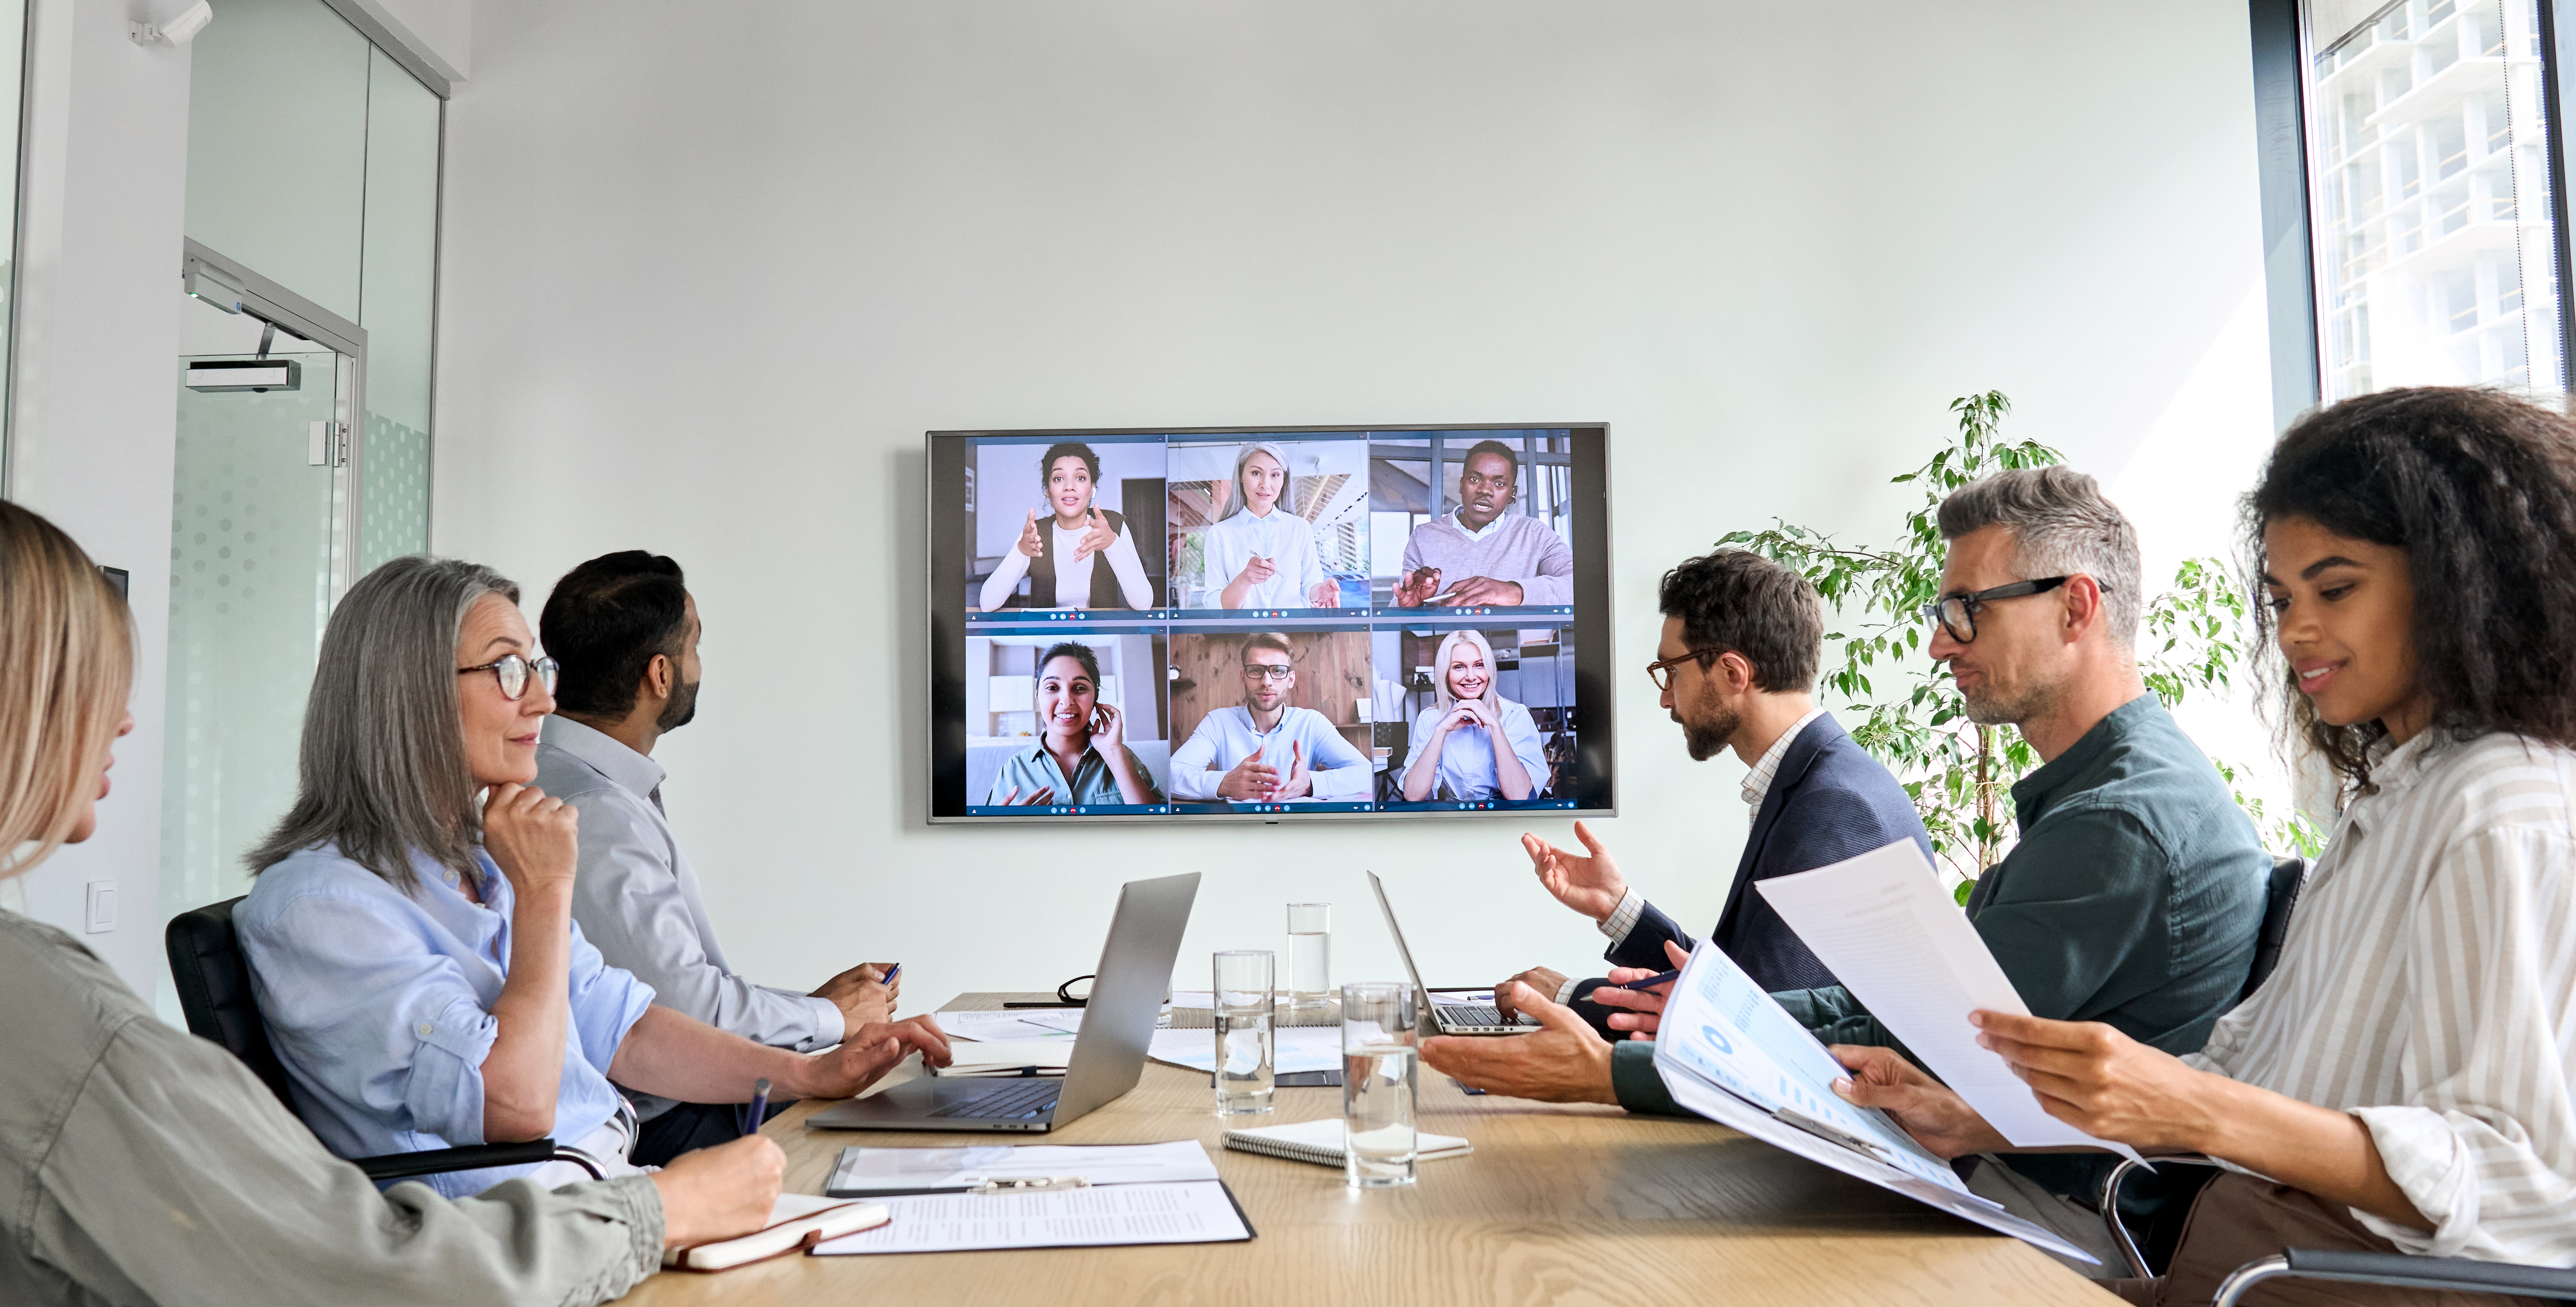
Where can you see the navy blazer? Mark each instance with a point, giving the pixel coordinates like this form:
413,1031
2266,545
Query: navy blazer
1828,801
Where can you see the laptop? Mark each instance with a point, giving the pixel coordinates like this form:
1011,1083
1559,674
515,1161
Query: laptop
1447,1018
1108,1054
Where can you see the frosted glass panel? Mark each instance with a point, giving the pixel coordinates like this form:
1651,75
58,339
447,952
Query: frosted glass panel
277,145
401,259
250,587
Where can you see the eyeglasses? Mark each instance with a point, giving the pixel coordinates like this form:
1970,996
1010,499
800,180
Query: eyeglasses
1957,614
1268,671
1661,671
512,673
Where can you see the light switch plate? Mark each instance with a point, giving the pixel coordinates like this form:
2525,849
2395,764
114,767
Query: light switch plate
101,914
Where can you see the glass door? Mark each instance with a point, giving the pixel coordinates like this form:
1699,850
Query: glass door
262,526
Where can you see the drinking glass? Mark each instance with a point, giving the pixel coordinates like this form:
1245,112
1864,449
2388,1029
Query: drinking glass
1380,1073
1310,956
1245,1062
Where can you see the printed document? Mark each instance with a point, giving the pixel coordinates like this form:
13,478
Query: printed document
1010,1025
1882,925
1729,1052
867,1172
1299,1048
1195,1211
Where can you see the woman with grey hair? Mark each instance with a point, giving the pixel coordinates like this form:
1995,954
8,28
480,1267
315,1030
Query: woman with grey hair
414,953
1257,554
144,1164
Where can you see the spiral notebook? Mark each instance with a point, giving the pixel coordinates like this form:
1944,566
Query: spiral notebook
1320,1142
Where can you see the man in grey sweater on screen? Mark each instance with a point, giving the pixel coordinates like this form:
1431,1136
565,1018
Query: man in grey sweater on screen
1484,555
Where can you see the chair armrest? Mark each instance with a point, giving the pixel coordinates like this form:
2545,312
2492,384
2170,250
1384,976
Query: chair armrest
2120,1236
473,1157
2459,1274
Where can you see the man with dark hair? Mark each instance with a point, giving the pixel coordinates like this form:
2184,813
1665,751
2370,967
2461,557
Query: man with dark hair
623,627
1498,558
1737,667
2135,893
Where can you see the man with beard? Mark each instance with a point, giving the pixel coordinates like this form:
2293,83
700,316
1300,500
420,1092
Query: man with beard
623,628
2136,890
1737,667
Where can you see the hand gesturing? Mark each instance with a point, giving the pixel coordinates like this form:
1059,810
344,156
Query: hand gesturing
1416,590
1029,543
1096,535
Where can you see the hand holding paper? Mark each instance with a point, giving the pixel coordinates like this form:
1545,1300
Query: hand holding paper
1882,924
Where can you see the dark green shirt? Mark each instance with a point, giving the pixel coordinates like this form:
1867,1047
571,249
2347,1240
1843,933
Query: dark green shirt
2133,899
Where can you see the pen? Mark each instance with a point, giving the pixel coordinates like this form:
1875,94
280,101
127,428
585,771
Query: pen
1649,982
759,1110
891,973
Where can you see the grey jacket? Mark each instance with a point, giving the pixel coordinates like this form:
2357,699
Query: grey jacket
140,1164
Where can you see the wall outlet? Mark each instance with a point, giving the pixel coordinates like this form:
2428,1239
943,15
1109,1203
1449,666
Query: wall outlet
100,916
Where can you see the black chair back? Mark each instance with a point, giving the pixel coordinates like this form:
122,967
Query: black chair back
213,977
2280,896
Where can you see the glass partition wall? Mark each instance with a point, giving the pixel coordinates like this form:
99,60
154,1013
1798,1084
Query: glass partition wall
312,214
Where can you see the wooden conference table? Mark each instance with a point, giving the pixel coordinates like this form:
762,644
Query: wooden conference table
1557,1205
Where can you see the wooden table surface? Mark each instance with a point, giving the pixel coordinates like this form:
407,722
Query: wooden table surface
1557,1205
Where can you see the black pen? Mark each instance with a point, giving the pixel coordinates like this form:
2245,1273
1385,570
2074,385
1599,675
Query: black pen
1649,982
759,1110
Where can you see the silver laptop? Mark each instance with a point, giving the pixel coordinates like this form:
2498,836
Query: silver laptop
1446,1018
1108,1056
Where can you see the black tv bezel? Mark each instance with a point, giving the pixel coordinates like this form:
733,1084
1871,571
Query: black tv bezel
1595,695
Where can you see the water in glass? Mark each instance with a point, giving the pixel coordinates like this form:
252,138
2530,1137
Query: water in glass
1380,1076
1310,955
1246,1059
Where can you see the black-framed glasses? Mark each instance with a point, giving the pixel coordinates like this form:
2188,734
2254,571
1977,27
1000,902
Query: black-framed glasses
1269,671
1660,671
1957,613
513,672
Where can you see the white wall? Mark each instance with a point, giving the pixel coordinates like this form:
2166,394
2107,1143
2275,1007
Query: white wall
95,410
709,273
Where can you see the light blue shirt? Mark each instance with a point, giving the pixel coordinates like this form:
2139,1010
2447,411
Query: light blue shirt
1226,737
380,1005
1284,538
1466,770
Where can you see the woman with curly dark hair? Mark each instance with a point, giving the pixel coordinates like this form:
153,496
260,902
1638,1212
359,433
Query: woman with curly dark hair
2402,1081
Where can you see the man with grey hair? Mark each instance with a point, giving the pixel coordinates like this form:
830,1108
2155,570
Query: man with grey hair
2136,891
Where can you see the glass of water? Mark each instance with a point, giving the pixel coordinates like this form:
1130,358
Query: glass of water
1379,1076
1310,956
1246,989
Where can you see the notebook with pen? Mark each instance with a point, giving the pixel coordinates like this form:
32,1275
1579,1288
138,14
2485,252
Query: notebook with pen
797,1221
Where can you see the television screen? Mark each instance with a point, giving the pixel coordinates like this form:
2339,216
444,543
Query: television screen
1269,624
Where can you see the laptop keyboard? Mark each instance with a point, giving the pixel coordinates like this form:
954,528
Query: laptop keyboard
1470,1014
1014,1102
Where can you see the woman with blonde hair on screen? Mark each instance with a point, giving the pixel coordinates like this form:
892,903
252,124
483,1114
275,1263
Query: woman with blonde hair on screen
1472,744
148,1165
1259,554
1081,755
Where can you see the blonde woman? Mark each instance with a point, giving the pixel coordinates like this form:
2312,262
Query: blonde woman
1472,744
144,1164
1259,554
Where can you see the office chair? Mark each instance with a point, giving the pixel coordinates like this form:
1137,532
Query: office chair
214,991
2459,1274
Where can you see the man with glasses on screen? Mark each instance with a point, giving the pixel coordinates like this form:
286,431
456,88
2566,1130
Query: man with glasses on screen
1267,750
2135,892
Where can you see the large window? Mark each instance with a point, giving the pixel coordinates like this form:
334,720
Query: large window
2429,186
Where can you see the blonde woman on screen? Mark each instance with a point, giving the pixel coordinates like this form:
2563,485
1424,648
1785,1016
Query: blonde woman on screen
1259,554
148,1165
1061,556
1472,744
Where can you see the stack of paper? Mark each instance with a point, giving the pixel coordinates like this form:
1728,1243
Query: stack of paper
1138,1194
880,1172
1727,1051
1008,1057
1059,1023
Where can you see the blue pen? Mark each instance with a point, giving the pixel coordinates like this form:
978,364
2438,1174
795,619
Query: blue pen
759,1106
1649,982
891,973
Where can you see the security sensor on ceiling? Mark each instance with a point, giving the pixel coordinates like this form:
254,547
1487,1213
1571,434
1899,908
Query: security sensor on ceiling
178,31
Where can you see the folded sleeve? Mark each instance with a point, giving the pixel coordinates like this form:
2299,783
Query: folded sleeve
1191,777
177,1178
1337,769
2486,1147
628,904
361,1008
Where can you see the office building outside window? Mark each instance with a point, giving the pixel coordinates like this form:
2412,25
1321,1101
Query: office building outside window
2429,157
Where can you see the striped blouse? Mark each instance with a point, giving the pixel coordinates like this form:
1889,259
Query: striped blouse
2428,986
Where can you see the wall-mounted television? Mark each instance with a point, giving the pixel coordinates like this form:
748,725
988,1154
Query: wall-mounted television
1269,623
